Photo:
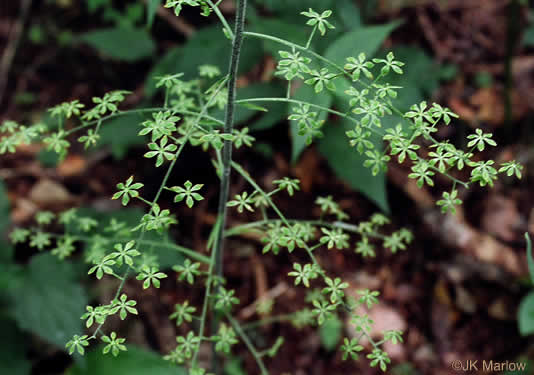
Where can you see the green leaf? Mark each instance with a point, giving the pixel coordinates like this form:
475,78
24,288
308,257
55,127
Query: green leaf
48,300
280,29
366,39
206,46
151,8
526,315
347,163
135,361
121,43
330,333
128,127
307,94
12,350
349,13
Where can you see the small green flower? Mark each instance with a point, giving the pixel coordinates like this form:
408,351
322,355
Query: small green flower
449,201
209,71
150,275
40,240
103,267
323,310
421,171
123,306
304,274
44,217
377,161
19,235
288,184
189,192
321,79
389,64
394,336
242,201
511,167
365,248
187,344
57,142
351,348
127,190
358,66
379,357
484,173
224,339
241,137
335,237
183,312
85,224
479,140
77,344
225,299
394,242
90,139
335,289
319,20
114,344
162,151
368,297
187,271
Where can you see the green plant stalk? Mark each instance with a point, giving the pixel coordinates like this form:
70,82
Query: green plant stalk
248,343
140,110
228,127
218,250
215,8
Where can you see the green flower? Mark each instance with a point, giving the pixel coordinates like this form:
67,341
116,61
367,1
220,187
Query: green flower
123,306
224,339
449,201
114,344
150,275
242,201
162,151
351,348
319,20
189,192
183,312
77,344
479,140
127,190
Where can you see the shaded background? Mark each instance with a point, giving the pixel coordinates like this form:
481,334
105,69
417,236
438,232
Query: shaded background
455,291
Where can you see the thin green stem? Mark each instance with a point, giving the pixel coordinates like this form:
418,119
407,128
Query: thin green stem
215,8
308,43
248,343
140,110
269,320
300,102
